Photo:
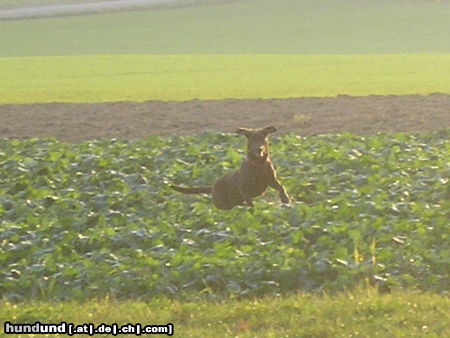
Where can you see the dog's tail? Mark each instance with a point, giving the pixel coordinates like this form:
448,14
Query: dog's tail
192,190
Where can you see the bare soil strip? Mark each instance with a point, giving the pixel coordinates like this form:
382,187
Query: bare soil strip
302,116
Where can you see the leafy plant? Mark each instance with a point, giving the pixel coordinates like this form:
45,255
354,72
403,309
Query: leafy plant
98,218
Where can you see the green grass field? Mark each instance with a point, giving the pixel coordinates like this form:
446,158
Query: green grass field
184,77
244,49
242,27
364,313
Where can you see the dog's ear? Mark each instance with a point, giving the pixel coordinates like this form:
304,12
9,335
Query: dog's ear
244,131
269,130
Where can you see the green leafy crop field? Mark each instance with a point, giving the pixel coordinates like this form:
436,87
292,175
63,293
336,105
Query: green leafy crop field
97,218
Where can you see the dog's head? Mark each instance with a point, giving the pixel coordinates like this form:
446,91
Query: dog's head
257,142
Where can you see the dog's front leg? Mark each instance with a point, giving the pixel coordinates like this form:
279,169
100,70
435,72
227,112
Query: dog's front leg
274,183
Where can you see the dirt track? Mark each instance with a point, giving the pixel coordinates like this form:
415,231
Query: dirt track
304,116
92,6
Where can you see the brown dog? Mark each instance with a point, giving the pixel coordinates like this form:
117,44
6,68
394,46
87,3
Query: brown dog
251,180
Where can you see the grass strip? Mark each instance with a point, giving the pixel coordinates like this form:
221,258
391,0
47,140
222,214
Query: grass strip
362,313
